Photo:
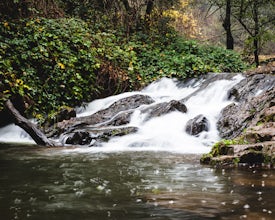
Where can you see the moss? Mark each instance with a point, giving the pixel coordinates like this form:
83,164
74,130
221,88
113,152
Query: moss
206,158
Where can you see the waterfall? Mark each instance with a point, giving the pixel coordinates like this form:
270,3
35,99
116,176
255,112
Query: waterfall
206,96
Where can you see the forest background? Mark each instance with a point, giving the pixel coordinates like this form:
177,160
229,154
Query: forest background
63,53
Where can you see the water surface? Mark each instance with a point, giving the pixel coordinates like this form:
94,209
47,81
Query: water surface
43,183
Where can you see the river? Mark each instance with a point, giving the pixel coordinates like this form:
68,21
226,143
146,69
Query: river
38,183
152,174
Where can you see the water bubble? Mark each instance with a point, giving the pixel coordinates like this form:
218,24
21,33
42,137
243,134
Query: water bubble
269,212
78,183
171,202
100,187
203,201
108,191
156,172
17,201
243,216
263,184
204,189
246,206
265,175
52,197
264,210
32,200
223,203
235,202
79,193
139,200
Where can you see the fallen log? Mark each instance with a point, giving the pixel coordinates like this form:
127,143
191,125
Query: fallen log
37,135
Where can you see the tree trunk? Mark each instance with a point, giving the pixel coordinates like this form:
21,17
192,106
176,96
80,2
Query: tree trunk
38,136
256,33
227,26
149,7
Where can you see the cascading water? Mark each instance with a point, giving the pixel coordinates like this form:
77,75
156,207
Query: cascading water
163,133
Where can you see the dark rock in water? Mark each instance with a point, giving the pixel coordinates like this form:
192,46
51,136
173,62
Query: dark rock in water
104,135
79,138
197,125
95,136
118,113
124,104
121,118
164,108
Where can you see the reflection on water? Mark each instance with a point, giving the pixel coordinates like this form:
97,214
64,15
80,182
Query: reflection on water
56,184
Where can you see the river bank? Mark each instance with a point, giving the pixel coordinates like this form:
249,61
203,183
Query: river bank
248,125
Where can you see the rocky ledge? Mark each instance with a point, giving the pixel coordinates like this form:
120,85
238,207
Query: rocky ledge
248,125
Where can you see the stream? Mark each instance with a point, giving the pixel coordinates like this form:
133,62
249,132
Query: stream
154,173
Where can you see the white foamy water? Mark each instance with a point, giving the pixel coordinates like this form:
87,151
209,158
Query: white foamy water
14,134
167,132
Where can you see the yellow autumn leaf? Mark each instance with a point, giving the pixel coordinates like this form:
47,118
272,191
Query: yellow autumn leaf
61,65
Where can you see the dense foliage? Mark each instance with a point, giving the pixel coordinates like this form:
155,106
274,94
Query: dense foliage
67,61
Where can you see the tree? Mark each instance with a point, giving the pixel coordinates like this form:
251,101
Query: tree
255,17
227,26
38,136
225,8
30,8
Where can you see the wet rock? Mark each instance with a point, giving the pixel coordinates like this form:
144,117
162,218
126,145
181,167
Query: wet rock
118,113
236,118
197,125
95,136
251,86
249,154
164,108
124,104
79,138
260,133
104,135
64,113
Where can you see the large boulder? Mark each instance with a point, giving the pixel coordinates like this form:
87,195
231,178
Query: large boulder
197,125
164,108
223,155
237,118
251,86
118,113
124,104
249,124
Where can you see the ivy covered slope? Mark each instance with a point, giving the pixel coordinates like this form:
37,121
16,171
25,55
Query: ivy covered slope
49,63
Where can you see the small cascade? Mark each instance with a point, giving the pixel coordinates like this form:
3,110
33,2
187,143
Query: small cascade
206,96
14,134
